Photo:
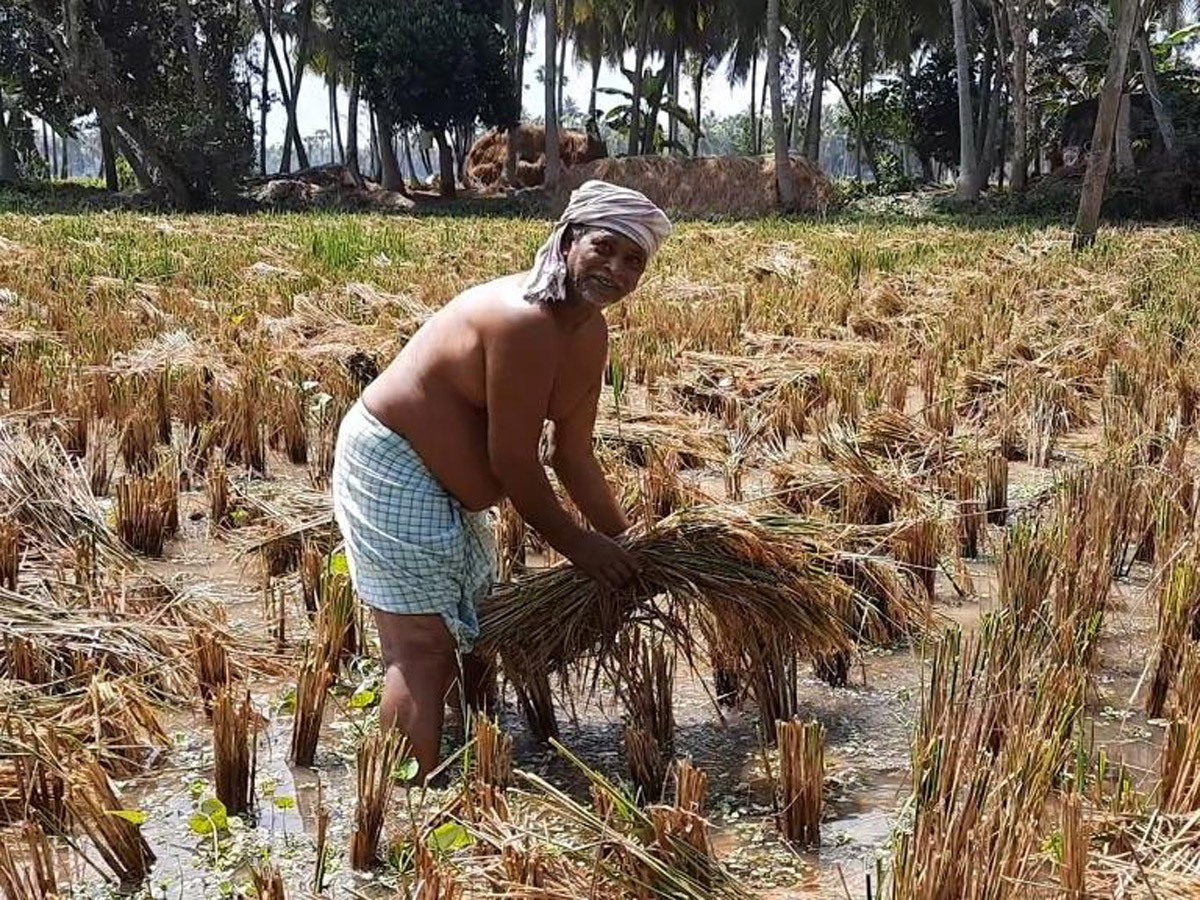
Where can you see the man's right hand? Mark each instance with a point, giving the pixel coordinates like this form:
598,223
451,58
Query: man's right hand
603,559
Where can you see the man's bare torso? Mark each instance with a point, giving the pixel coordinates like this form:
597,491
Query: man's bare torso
435,391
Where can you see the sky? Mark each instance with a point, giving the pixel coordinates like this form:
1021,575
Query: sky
313,106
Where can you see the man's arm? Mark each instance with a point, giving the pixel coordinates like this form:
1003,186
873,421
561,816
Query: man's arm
520,365
575,463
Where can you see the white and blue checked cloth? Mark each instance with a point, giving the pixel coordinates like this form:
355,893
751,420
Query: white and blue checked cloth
411,546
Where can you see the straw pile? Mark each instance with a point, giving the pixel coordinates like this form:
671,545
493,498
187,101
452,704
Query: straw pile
744,574
733,187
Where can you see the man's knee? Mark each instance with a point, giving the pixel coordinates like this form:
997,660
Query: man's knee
407,639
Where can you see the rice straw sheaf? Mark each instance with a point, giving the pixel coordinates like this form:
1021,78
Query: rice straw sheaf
772,576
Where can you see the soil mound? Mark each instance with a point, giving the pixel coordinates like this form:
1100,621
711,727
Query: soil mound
724,186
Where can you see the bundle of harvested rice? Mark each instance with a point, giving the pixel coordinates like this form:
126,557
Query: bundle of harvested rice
749,575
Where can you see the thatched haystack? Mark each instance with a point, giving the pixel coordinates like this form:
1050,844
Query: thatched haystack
732,186
488,155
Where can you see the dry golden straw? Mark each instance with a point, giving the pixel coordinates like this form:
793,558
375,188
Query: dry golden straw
235,750
377,758
801,780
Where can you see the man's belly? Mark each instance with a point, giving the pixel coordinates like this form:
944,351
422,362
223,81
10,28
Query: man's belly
451,439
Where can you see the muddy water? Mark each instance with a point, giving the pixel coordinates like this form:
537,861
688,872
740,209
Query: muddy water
867,725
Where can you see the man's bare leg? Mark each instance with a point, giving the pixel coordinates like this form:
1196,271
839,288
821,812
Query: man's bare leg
418,666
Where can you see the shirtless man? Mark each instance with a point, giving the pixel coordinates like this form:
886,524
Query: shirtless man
453,425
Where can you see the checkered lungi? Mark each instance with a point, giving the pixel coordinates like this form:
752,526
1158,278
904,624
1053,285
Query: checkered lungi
411,546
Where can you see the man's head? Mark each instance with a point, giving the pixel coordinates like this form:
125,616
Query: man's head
599,248
603,266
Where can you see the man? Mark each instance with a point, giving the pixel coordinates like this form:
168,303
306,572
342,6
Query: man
454,424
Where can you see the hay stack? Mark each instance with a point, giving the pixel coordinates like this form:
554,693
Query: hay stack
727,186
488,155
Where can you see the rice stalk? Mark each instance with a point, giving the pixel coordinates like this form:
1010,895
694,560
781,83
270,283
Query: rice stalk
746,574
1179,790
138,439
146,507
972,517
235,751
10,555
493,753
312,690
536,700
647,673
292,404
268,881
801,780
29,873
92,801
1073,868
326,418
98,459
1178,596
211,662
997,489
216,482
435,879
378,755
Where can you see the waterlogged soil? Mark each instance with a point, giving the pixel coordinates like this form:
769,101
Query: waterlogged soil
868,725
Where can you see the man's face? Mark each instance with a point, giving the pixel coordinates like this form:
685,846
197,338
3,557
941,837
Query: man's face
603,267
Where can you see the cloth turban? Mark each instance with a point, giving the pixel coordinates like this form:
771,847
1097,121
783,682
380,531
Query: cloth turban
595,204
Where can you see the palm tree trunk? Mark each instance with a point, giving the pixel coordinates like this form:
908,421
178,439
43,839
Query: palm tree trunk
794,124
783,164
990,146
553,162
672,120
698,90
108,159
753,104
1019,27
1162,116
1091,195
812,124
64,170
408,157
986,79
392,180
596,63
8,156
564,35
264,106
292,132
859,118
376,162
522,43
352,133
639,61
650,127
294,96
1123,142
968,182
762,115
446,155
335,120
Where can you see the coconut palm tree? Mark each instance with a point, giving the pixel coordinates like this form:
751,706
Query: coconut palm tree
709,47
599,38
1091,194
783,167
553,162
968,178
